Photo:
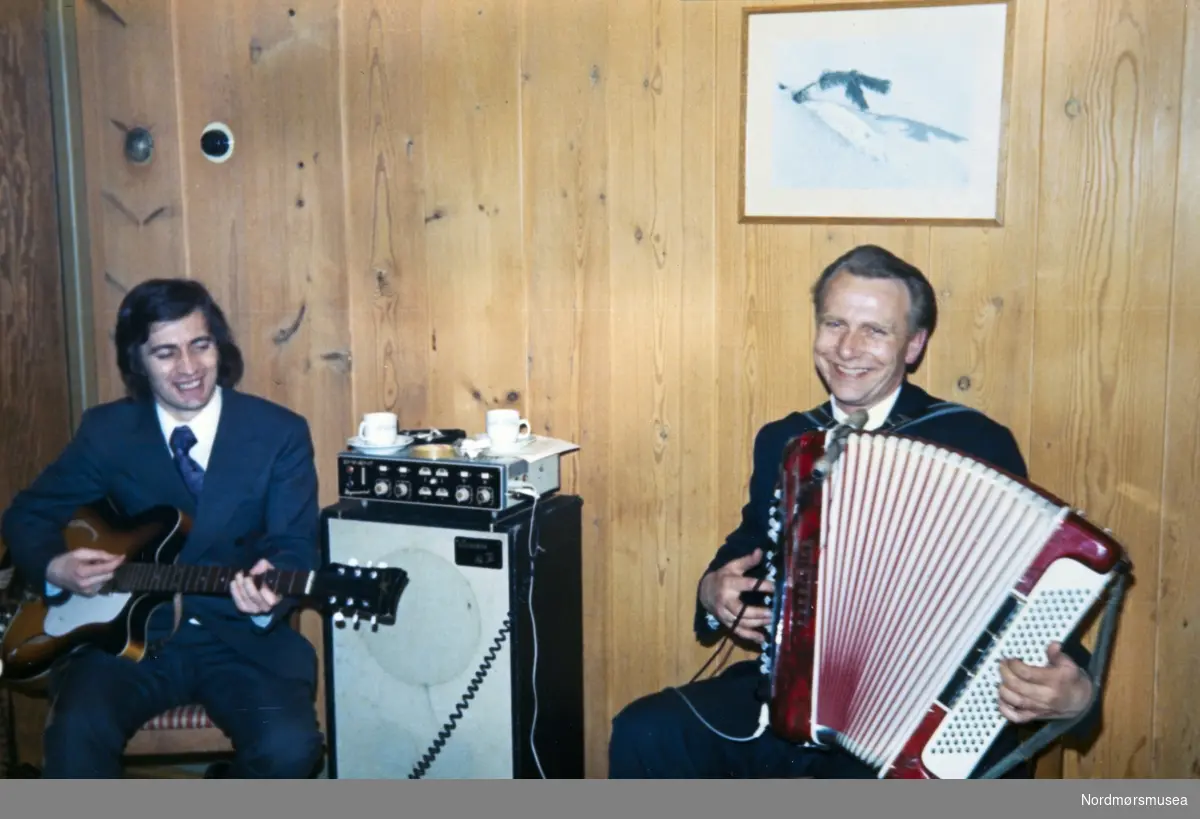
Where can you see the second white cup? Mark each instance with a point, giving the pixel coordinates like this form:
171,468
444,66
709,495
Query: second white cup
506,427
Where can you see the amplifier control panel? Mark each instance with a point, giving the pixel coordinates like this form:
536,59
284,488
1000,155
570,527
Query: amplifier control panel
436,483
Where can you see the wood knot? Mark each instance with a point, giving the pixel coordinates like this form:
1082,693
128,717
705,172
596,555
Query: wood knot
964,383
512,397
1073,107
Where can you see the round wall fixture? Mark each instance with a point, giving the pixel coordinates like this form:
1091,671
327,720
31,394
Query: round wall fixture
217,142
139,145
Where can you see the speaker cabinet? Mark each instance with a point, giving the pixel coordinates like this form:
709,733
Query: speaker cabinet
481,676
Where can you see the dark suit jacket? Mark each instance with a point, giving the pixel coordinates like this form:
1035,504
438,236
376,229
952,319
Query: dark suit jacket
916,413
259,500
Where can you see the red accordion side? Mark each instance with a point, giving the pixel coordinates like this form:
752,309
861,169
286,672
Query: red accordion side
796,593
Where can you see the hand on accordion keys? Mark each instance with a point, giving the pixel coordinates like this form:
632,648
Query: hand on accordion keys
1060,690
720,594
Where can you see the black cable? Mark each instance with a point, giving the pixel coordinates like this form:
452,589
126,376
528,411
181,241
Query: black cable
489,659
422,767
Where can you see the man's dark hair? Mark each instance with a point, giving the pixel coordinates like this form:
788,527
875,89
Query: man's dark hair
873,262
158,300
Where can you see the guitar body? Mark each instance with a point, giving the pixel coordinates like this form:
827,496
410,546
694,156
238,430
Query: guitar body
38,635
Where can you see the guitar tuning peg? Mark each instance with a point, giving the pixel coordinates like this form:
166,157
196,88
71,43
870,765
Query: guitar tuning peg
374,622
354,620
352,561
338,618
370,563
381,566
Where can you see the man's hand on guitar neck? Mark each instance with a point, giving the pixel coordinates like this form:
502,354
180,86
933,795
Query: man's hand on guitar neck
82,571
247,596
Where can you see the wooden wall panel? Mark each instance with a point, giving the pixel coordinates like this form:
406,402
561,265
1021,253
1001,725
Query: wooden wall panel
564,77
35,411
474,247
388,282
700,400
1110,144
534,204
1176,727
644,126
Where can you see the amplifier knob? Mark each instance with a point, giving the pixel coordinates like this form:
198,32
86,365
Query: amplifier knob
462,494
485,495
382,487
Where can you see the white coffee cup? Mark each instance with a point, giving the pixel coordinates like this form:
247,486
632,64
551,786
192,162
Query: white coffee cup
506,427
379,428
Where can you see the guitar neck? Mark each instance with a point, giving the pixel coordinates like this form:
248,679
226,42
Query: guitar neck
155,577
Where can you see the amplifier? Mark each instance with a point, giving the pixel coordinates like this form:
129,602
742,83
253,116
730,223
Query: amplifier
443,475
481,677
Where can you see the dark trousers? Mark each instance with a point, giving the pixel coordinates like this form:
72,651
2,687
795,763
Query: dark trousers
660,737
98,701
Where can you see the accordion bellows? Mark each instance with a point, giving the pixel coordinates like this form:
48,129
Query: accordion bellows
901,582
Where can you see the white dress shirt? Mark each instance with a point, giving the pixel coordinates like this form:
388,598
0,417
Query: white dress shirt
875,416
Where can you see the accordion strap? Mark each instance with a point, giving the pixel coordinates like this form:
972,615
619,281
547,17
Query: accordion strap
824,419
1096,668
932,411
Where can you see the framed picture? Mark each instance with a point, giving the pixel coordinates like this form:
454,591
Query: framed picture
880,113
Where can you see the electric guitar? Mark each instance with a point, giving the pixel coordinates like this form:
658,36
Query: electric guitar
115,620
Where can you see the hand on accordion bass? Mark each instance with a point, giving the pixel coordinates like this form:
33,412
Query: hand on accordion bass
721,595
1060,690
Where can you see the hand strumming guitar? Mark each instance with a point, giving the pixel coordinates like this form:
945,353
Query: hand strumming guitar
247,596
82,571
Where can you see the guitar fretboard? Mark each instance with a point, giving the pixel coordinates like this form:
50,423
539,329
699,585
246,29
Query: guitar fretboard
154,577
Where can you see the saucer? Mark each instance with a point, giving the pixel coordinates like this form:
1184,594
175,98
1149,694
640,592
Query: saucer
401,442
514,447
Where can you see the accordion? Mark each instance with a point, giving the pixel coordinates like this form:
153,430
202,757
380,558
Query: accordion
904,573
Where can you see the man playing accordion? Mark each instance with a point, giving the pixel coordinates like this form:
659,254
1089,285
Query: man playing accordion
875,313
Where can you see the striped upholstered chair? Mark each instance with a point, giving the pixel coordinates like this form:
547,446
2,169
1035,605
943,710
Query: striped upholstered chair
184,731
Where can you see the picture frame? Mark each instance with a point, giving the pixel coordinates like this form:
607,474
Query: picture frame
892,112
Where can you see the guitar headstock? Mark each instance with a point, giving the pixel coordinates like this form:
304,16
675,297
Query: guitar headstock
371,592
